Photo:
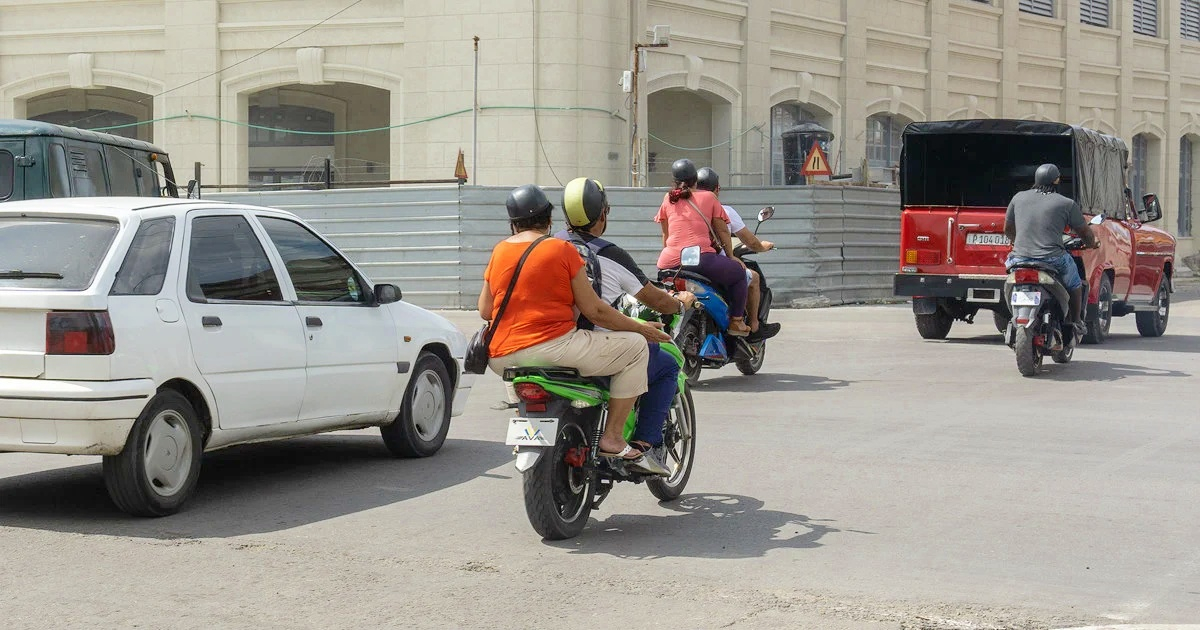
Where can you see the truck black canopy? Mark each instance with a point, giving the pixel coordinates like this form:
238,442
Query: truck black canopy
983,163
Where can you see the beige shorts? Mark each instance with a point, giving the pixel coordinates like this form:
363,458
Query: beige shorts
622,355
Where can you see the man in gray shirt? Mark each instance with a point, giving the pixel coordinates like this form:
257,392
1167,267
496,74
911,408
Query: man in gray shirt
1035,222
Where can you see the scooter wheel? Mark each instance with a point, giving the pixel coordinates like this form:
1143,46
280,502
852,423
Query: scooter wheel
1028,357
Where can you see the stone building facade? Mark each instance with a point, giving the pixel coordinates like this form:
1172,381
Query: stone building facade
220,78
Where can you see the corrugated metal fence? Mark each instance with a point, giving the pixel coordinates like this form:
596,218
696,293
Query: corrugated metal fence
834,242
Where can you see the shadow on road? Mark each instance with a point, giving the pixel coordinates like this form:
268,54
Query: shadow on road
702,526
1166,343
770,383
1099,371
251,489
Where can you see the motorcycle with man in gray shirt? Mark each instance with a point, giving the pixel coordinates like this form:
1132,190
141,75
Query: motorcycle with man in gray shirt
1044,289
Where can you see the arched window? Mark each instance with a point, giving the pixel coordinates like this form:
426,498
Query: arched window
1139,175
290,118
785,117
883,140
1187,169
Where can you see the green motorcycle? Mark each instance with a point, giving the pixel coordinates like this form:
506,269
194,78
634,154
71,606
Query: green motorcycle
561,416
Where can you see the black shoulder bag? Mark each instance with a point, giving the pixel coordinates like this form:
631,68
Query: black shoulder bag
476,361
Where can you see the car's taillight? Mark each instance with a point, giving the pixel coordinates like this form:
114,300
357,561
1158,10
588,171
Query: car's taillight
1026,276
79,332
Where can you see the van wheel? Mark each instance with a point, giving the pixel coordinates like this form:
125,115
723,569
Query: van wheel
1097,328
935,326
1154,323
424,419
157,470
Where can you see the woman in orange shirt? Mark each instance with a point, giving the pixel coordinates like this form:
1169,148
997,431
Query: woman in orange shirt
538,327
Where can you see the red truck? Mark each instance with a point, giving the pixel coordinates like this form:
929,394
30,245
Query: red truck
956,179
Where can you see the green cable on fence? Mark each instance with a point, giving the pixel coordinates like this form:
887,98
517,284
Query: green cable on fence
719,144
353,131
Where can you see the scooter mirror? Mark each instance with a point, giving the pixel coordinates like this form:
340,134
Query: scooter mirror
690,256
766,213
1097,220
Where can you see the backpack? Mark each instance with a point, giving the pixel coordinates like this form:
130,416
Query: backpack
589,251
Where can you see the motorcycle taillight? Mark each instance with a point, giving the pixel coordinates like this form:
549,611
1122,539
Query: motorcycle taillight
532,393
1026,276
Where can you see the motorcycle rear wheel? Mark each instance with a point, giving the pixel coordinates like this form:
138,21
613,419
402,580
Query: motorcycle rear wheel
750,366
690,339
679,436
1028,357
558,496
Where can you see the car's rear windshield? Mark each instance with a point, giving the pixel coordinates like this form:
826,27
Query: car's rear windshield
977,169
53,253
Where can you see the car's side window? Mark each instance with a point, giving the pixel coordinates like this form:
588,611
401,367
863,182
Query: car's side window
318,273
145,265
227,262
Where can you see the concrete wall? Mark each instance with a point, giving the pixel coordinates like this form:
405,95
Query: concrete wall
840,243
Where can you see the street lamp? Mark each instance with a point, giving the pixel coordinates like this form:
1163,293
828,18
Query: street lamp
629,83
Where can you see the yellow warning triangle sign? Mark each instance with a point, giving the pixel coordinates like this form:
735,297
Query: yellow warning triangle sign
815,163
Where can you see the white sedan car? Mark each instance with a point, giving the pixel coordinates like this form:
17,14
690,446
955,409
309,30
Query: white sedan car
149,331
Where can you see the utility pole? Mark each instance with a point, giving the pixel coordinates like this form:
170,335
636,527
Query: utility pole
662,36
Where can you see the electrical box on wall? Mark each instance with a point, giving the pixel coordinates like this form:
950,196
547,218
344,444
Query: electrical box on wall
662,34
626,82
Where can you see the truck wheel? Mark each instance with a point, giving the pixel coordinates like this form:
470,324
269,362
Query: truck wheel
1001,320
1097,328
935,326
1154,323
1028,358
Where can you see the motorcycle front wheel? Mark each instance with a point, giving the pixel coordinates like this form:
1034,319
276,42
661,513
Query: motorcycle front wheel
679,440
1028,357
557,493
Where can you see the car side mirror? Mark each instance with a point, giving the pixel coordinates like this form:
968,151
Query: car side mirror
766,213
1097,220
387,293
1153,208
690,256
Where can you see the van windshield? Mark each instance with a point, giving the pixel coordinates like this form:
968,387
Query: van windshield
979,169
52,252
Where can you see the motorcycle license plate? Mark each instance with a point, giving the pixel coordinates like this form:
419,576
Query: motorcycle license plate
532,431
1026,298
981,238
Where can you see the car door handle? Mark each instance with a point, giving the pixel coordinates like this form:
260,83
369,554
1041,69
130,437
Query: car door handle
313,322
210,321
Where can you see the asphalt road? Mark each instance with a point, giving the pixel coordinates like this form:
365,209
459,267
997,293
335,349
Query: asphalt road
865,479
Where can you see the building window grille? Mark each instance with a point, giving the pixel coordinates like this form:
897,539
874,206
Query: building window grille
1038,7
883,140
1186,199
1094,12
1145,17
1190,20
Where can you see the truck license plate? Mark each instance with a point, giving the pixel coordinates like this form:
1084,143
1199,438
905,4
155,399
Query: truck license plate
532,431
981,238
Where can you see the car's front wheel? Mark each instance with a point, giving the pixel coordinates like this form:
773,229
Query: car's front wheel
157,470
424,419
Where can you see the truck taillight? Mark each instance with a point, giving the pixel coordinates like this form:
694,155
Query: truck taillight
910,257
922,256
1026,276
79,332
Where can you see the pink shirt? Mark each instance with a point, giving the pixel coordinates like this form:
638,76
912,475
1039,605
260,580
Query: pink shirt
686,227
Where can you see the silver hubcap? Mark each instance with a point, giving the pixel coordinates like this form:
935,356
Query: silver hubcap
168,453
428,405
1164,301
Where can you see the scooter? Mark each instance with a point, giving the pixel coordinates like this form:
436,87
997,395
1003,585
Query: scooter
701,332
1040,307
556,436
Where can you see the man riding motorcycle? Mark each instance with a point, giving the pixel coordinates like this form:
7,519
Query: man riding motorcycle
1035,222
586,207
707,179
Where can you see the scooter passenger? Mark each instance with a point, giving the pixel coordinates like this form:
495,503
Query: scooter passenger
538,326
707,179
1035,222
585,205
691,217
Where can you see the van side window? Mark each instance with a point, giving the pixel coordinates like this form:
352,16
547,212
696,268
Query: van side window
121,171
95,171
7,173
145,265
60,184
150,180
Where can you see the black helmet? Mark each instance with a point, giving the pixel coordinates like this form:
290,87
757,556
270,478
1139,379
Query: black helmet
526,202
683,170
706,179
584,201
1046,175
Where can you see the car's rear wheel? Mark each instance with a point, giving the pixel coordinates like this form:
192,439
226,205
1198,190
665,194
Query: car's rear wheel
157,470
424,419
935,325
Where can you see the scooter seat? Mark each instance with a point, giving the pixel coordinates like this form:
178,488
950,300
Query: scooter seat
1034,264
667,274
560,374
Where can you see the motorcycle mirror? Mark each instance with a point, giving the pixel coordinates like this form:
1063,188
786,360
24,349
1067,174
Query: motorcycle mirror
1097,220
690,256
766,213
